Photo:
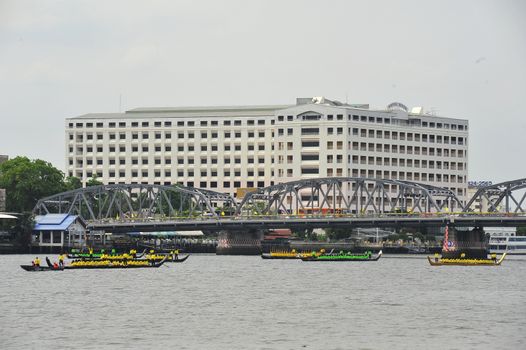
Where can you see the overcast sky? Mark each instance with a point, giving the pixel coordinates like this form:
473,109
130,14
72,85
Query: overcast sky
463,59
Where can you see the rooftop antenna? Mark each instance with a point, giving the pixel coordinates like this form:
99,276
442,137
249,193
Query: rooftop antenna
346,98
120,102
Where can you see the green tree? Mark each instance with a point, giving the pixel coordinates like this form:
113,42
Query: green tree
521,230
93,181
23,229
72,183
26,181
338,233
305,234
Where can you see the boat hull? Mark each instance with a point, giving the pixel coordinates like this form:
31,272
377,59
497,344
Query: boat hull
270,256
466,262
91,267
179,260
169,259
111,267
40,268
342,258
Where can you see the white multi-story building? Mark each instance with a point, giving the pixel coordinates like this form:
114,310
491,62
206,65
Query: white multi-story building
481,204
227,148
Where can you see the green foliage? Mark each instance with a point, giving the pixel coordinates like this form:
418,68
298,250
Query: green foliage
225,210
26,181
306,234
338,233
23,229
418,235
521,230
93,182
430,238
72,183
402,235
179,201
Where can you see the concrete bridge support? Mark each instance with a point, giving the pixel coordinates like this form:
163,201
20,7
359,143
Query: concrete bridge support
472,243
239,242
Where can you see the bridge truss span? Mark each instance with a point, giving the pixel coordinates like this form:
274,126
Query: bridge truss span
507,197
134,202
347,195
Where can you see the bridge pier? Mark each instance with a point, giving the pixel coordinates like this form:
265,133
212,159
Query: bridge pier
472,243
239,242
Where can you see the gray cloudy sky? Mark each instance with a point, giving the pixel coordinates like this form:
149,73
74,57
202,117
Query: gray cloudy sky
464,59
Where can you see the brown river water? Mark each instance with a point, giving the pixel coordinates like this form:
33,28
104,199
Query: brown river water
245,302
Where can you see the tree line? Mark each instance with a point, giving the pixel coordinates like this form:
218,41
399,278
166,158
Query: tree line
26,181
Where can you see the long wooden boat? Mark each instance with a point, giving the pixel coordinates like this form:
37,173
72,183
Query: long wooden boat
271,256
40,268
102,264
344,257
105,256
106,264
49,267
465,261
179,259
167,257
289,254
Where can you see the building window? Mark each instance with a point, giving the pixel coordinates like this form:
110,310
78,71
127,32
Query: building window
310,131
308,157
310,144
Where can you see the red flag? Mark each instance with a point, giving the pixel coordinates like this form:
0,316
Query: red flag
445,246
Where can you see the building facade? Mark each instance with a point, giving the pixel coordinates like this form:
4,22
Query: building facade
480,204
230,148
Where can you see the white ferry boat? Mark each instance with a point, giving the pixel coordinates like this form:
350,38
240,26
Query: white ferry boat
510,244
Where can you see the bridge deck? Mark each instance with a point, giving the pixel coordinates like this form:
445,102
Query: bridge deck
240,223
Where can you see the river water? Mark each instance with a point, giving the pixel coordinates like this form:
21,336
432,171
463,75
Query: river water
245,302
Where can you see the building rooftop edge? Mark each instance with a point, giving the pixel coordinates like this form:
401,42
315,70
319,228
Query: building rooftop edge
247,110
205,108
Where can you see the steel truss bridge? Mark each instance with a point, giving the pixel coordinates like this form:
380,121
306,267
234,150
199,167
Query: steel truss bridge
309,203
